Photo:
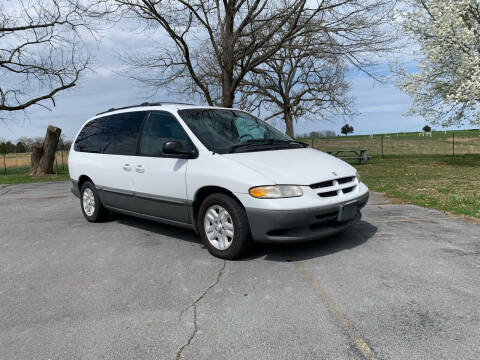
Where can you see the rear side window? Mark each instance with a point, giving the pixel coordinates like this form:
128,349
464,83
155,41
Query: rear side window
114,134
159,128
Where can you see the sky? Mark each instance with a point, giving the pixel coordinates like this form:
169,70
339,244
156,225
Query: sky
381,107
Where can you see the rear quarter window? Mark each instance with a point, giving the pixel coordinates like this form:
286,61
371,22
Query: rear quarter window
114,134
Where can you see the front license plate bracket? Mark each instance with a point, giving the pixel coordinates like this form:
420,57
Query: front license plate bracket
348,211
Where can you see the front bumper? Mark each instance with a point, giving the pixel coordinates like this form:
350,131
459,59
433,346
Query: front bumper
299,224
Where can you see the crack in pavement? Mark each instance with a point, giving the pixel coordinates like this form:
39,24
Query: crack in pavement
194,305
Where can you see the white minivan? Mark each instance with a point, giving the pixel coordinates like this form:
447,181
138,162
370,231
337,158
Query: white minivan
222,172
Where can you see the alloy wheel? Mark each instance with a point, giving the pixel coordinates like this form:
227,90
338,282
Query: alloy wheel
219,227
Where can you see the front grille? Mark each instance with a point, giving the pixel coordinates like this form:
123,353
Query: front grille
345,180
335,187
328,193
322,184
329,183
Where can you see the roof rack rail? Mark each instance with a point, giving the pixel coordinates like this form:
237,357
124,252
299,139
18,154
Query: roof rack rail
143,104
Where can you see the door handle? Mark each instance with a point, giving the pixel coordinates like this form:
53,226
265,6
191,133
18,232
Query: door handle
127,167
140,169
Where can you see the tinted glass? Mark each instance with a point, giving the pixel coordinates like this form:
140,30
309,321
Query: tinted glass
123,134
220,129
158,129
114,134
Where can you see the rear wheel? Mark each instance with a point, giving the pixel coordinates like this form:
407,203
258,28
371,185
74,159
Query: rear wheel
91,205
223,225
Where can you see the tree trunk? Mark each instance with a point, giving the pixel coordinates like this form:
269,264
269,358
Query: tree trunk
43,156
228,58
37,152
287,115
227,91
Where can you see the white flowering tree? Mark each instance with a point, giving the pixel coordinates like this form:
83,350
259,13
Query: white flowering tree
446,88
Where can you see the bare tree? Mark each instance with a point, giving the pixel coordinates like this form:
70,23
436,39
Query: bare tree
217,43
40,51
297,82
306,77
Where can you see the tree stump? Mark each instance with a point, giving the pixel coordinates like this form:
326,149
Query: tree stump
43,156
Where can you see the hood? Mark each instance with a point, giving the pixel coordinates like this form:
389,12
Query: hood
303,166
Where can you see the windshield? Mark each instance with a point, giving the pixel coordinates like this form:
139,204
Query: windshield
223,130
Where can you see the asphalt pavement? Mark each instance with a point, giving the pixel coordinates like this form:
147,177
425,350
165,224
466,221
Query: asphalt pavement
404,283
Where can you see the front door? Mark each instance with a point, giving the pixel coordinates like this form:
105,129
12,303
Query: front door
159,179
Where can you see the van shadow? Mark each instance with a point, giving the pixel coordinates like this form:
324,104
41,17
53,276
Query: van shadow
157,228
350,238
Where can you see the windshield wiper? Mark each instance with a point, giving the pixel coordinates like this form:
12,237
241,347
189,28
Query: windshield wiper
265,143
273,141
247,144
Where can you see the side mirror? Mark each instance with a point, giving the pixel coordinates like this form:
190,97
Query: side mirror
178,148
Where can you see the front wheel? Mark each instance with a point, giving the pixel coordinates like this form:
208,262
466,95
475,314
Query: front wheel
224,226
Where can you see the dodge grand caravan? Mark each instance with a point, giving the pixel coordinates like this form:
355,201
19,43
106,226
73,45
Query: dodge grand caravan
222,172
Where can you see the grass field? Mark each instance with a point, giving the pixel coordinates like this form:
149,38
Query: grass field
441,143
17,166
19,175
440,182
23,160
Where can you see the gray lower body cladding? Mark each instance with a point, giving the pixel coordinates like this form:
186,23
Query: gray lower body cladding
300,225
266,225
177,212
74,189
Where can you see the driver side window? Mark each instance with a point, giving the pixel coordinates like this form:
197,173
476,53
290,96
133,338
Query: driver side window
158,129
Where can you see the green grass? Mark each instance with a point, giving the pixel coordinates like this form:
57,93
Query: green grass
440,182
441,143
19,175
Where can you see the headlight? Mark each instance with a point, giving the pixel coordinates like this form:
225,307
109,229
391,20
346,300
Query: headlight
275,191
358,176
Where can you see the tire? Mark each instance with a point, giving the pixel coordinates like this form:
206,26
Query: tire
96,212
235,219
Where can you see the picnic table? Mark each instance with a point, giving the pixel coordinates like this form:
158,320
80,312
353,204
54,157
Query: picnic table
359,154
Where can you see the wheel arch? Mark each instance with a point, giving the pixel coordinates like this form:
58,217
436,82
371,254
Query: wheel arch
203,193
81,181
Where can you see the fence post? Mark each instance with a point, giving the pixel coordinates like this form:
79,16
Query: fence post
453,144
382,146
63,165
56,164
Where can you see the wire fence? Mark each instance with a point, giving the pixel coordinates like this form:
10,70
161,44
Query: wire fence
12,163
436,143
